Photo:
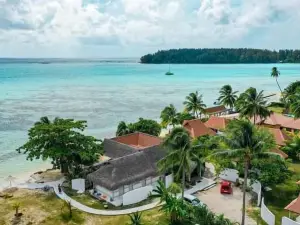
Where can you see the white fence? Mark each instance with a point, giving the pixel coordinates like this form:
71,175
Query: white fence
287,221
266,214
256,187
137,195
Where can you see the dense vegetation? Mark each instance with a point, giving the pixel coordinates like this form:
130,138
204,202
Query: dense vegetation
222,55
143,125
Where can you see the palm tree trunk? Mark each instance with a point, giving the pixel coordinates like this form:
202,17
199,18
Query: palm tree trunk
244,191
183,182
279,88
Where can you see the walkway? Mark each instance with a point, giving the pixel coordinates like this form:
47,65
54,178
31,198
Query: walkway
200,186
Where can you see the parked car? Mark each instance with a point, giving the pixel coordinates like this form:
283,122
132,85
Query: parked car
193,200
225,187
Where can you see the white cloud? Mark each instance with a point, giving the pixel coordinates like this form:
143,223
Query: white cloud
66,27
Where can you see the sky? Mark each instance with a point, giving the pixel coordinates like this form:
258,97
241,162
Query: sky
131,28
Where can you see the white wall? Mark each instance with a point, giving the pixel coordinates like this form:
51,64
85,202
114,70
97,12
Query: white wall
137,195
256,187
78,185
287,221
104,191
169,180
229,175
266,214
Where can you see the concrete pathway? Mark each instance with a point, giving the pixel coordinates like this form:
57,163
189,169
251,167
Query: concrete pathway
200,186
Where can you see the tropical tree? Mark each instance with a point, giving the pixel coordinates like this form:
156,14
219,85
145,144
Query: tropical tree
275,73
295,103
16,207
246,143
122,129
194,104
293,148
136,218
142,125
252,104
184,116
227,96
62,141
176,208
178,144
169,116
181,154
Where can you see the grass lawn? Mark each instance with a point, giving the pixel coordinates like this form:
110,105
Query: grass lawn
39,207
276,109
282,194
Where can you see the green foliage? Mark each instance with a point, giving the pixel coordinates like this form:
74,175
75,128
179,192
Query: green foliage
252,104
194,104
222,55
227,96
62,141
182,213
271,171
293,148
246,143
169,116
143,125
136,218
184,116
174,188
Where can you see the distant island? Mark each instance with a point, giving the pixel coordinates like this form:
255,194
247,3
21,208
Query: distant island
222,56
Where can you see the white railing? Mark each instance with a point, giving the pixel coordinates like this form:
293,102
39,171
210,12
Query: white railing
287,221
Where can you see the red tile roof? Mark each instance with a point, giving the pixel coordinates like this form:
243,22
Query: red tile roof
280,136
138,140
215,109
281,120
197,128
294,206
217,123
279,152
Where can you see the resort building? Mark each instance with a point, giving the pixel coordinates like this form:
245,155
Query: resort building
217,124
131,173
197,128
276,120
217,111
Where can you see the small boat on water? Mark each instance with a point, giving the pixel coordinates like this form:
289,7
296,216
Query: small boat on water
169,73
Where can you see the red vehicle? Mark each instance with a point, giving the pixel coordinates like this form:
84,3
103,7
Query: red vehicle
226,187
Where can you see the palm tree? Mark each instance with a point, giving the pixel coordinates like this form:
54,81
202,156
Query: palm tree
179,145
227,96
275,73
180,156
122,129
176,208
16,207
136,218
293,148
246,142
169,116
194,103
252,104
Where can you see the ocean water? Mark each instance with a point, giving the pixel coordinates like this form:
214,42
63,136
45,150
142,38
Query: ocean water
106,93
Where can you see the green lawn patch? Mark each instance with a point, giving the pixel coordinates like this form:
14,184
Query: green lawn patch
281,195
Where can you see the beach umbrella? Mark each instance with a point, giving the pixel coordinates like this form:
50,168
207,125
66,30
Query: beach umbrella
10,179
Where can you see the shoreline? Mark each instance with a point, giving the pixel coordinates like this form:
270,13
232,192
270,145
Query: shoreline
23,177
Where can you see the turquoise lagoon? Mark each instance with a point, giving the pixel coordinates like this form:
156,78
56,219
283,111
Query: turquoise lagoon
106,93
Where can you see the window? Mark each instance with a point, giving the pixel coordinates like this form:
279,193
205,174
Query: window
130,187
143,183
116,193
121,190
137,185
126,188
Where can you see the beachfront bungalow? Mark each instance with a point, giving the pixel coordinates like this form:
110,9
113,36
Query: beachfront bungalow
217,111
217,124
131,173
197,128
276,120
